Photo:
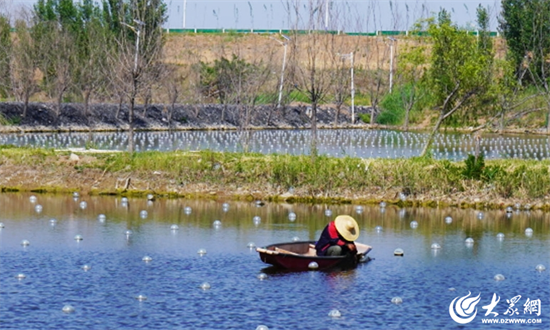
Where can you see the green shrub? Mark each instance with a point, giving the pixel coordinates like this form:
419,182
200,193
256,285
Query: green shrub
474,167
393,110
365,117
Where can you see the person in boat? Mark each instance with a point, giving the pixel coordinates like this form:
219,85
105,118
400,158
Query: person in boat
338,237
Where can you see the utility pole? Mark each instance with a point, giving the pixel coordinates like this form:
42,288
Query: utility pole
284,44
352,85
184,12
392,39
326,15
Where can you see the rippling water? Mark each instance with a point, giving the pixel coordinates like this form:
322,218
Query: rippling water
337,143
104,297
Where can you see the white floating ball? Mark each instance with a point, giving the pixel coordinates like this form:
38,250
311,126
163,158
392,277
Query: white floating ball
452,289
262,276
101,218
295,239
262,327
205,286
334,313
499,277
383,204
225,207
25,242
201,252
20,276
398,252
256,220
540,268
436,246
448,220
78,238
529,232
76,194
83,205
480,215
67,309
509,209
378,229
328,213
414,224
174,227
124,200
527,207
517,206
128,232
33,199
359,209
146,259
150,197
251,245
187,210
217,223
469,241
313,265
86,268
292,216
143,214
141,297
396,300
1,225
38,208
500,236
259,203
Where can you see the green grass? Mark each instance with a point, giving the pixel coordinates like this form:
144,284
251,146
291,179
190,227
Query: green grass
315,177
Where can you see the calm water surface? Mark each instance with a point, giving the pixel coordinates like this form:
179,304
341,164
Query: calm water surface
104,297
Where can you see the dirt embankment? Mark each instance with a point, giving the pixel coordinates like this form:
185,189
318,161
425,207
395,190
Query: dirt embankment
108,117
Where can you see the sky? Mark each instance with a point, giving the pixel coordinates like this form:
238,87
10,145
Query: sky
343,15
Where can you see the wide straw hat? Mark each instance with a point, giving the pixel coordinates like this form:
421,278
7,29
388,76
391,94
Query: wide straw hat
347,227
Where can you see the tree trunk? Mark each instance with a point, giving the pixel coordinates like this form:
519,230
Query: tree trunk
25,106
59,103
120,99
338,107
430,140
406,123
314,128
373,112
87,102
148,97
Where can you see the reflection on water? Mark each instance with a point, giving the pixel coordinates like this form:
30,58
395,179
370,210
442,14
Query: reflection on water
337,143
105,295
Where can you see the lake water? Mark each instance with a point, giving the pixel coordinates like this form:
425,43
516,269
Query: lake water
105,296
337,143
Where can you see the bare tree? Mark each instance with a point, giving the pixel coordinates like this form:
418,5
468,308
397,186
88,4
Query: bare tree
5,56
24,65
91,69
310,53
58,55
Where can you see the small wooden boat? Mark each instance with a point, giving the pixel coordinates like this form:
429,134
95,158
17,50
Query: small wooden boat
300,255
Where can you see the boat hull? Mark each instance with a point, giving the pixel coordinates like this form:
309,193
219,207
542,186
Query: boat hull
299,256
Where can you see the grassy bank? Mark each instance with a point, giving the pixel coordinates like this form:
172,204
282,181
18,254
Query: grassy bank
206,174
